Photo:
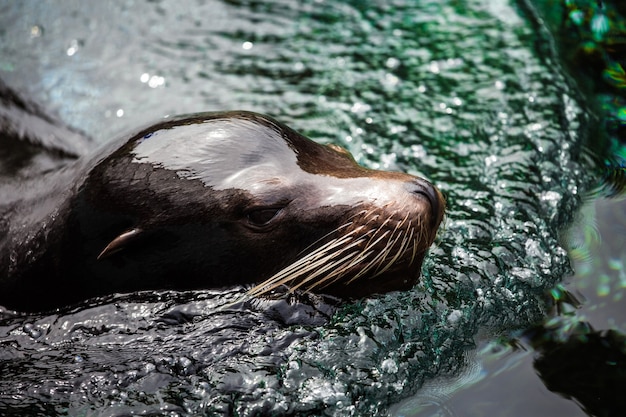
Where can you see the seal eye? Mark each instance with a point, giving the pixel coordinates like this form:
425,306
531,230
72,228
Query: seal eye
262,216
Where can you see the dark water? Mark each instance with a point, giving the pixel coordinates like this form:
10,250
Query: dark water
470,94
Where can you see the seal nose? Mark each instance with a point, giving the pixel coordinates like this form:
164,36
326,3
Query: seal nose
428,191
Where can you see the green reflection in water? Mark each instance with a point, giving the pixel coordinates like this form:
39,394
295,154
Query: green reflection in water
468,93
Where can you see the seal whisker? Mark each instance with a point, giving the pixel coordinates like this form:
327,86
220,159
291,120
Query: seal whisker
373,263
343,226
390,245
414,245
321,271
399,253
319,256
322,256
362,254
347,267
337,258
385,253
331,256
378,260
289,277
362,258
321,259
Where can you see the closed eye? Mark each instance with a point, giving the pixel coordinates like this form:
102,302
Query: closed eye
262,217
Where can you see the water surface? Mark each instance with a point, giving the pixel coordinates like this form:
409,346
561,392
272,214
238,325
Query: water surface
467,93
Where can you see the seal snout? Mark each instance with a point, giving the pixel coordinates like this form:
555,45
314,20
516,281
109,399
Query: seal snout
427,191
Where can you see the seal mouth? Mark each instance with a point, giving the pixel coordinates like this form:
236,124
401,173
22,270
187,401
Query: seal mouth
372,244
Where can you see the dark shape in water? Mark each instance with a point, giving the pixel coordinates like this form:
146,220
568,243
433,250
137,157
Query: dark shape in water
590,367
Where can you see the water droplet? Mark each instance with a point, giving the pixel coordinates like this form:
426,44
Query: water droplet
392,62
600,25
454,316
434,67
156,81
389,366
577,16
36,31
71,51
32,330
490,160
360,107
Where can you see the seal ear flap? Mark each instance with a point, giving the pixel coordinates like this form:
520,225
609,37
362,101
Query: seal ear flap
120,243
339,149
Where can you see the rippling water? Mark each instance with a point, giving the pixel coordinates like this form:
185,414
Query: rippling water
467,93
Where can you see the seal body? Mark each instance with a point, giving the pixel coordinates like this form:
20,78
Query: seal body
214,200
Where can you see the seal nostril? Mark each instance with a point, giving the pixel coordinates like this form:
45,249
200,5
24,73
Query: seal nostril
428,191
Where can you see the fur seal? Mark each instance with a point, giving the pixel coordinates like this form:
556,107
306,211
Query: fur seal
213,200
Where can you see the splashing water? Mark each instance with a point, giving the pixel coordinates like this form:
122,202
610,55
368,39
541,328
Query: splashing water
463,92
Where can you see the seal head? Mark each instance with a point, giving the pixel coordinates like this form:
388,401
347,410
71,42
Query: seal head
218,199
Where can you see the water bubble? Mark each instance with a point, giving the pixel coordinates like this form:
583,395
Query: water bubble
388,160
551,197
397,129
577,16
32,330
389,366
600,25
156,81
153,81
392,62
391,80
418,151
36,31
71,51
490,160
454,316
360,107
